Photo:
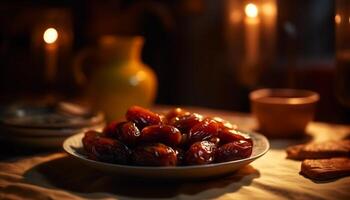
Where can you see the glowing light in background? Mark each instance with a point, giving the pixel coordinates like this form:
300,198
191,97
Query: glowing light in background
269,9
235,16
337,19
251,10
50,35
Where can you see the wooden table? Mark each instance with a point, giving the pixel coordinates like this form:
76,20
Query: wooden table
54,175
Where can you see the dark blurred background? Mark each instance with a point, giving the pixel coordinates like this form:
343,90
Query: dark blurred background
194,46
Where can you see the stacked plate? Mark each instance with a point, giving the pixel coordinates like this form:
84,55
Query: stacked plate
46,125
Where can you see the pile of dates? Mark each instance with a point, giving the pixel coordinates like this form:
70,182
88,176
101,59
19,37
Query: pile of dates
177,138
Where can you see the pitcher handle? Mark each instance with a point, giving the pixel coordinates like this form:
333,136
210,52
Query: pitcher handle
78,61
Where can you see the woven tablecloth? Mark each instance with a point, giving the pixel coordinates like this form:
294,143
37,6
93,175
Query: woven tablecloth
57,176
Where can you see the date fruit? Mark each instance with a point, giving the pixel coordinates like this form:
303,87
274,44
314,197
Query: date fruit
215,140
200,153
129,133
176,112
230,135
166,134
204,130
180,154
142,117
185,122
126,132
233,151
154,155
223,124
112,129
109,150
177,138
89,139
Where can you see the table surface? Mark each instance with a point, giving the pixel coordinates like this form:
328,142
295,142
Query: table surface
54,175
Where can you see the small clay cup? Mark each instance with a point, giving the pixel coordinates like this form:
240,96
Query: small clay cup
283,113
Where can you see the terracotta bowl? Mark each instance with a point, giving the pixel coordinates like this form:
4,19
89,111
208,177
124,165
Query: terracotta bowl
283,113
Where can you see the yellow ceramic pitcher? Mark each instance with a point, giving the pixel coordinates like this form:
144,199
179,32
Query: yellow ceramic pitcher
120,79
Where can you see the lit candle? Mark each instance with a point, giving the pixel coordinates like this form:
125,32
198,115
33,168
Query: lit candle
342,31
268,19
50,37
252,33
252,48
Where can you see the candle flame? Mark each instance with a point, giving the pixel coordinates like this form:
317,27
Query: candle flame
50,35
337,19
251,10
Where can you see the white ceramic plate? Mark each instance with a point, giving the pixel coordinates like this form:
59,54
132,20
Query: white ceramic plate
74,147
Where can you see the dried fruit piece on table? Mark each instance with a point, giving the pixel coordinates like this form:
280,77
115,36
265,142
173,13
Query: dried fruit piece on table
200,153
326,169
233,151
319,150
161,134
185,122
142,117
154,155
203,130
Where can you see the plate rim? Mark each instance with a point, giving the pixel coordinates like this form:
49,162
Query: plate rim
95,119
40,132
68,149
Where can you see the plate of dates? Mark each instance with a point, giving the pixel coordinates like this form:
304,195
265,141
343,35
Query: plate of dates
174,145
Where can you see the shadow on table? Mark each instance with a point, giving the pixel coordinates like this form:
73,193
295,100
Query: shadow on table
10,150
68,174
283,143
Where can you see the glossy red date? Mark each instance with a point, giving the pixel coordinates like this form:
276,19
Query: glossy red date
185,122
89,139
112,129
126,132
177,138
231,135
176,112
161,133
223,124
200,153
129,133
154,155
233,151
142,117
109,150
204,130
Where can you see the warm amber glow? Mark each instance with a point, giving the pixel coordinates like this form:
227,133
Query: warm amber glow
337,18
235,16
251,10
269,9
50,35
